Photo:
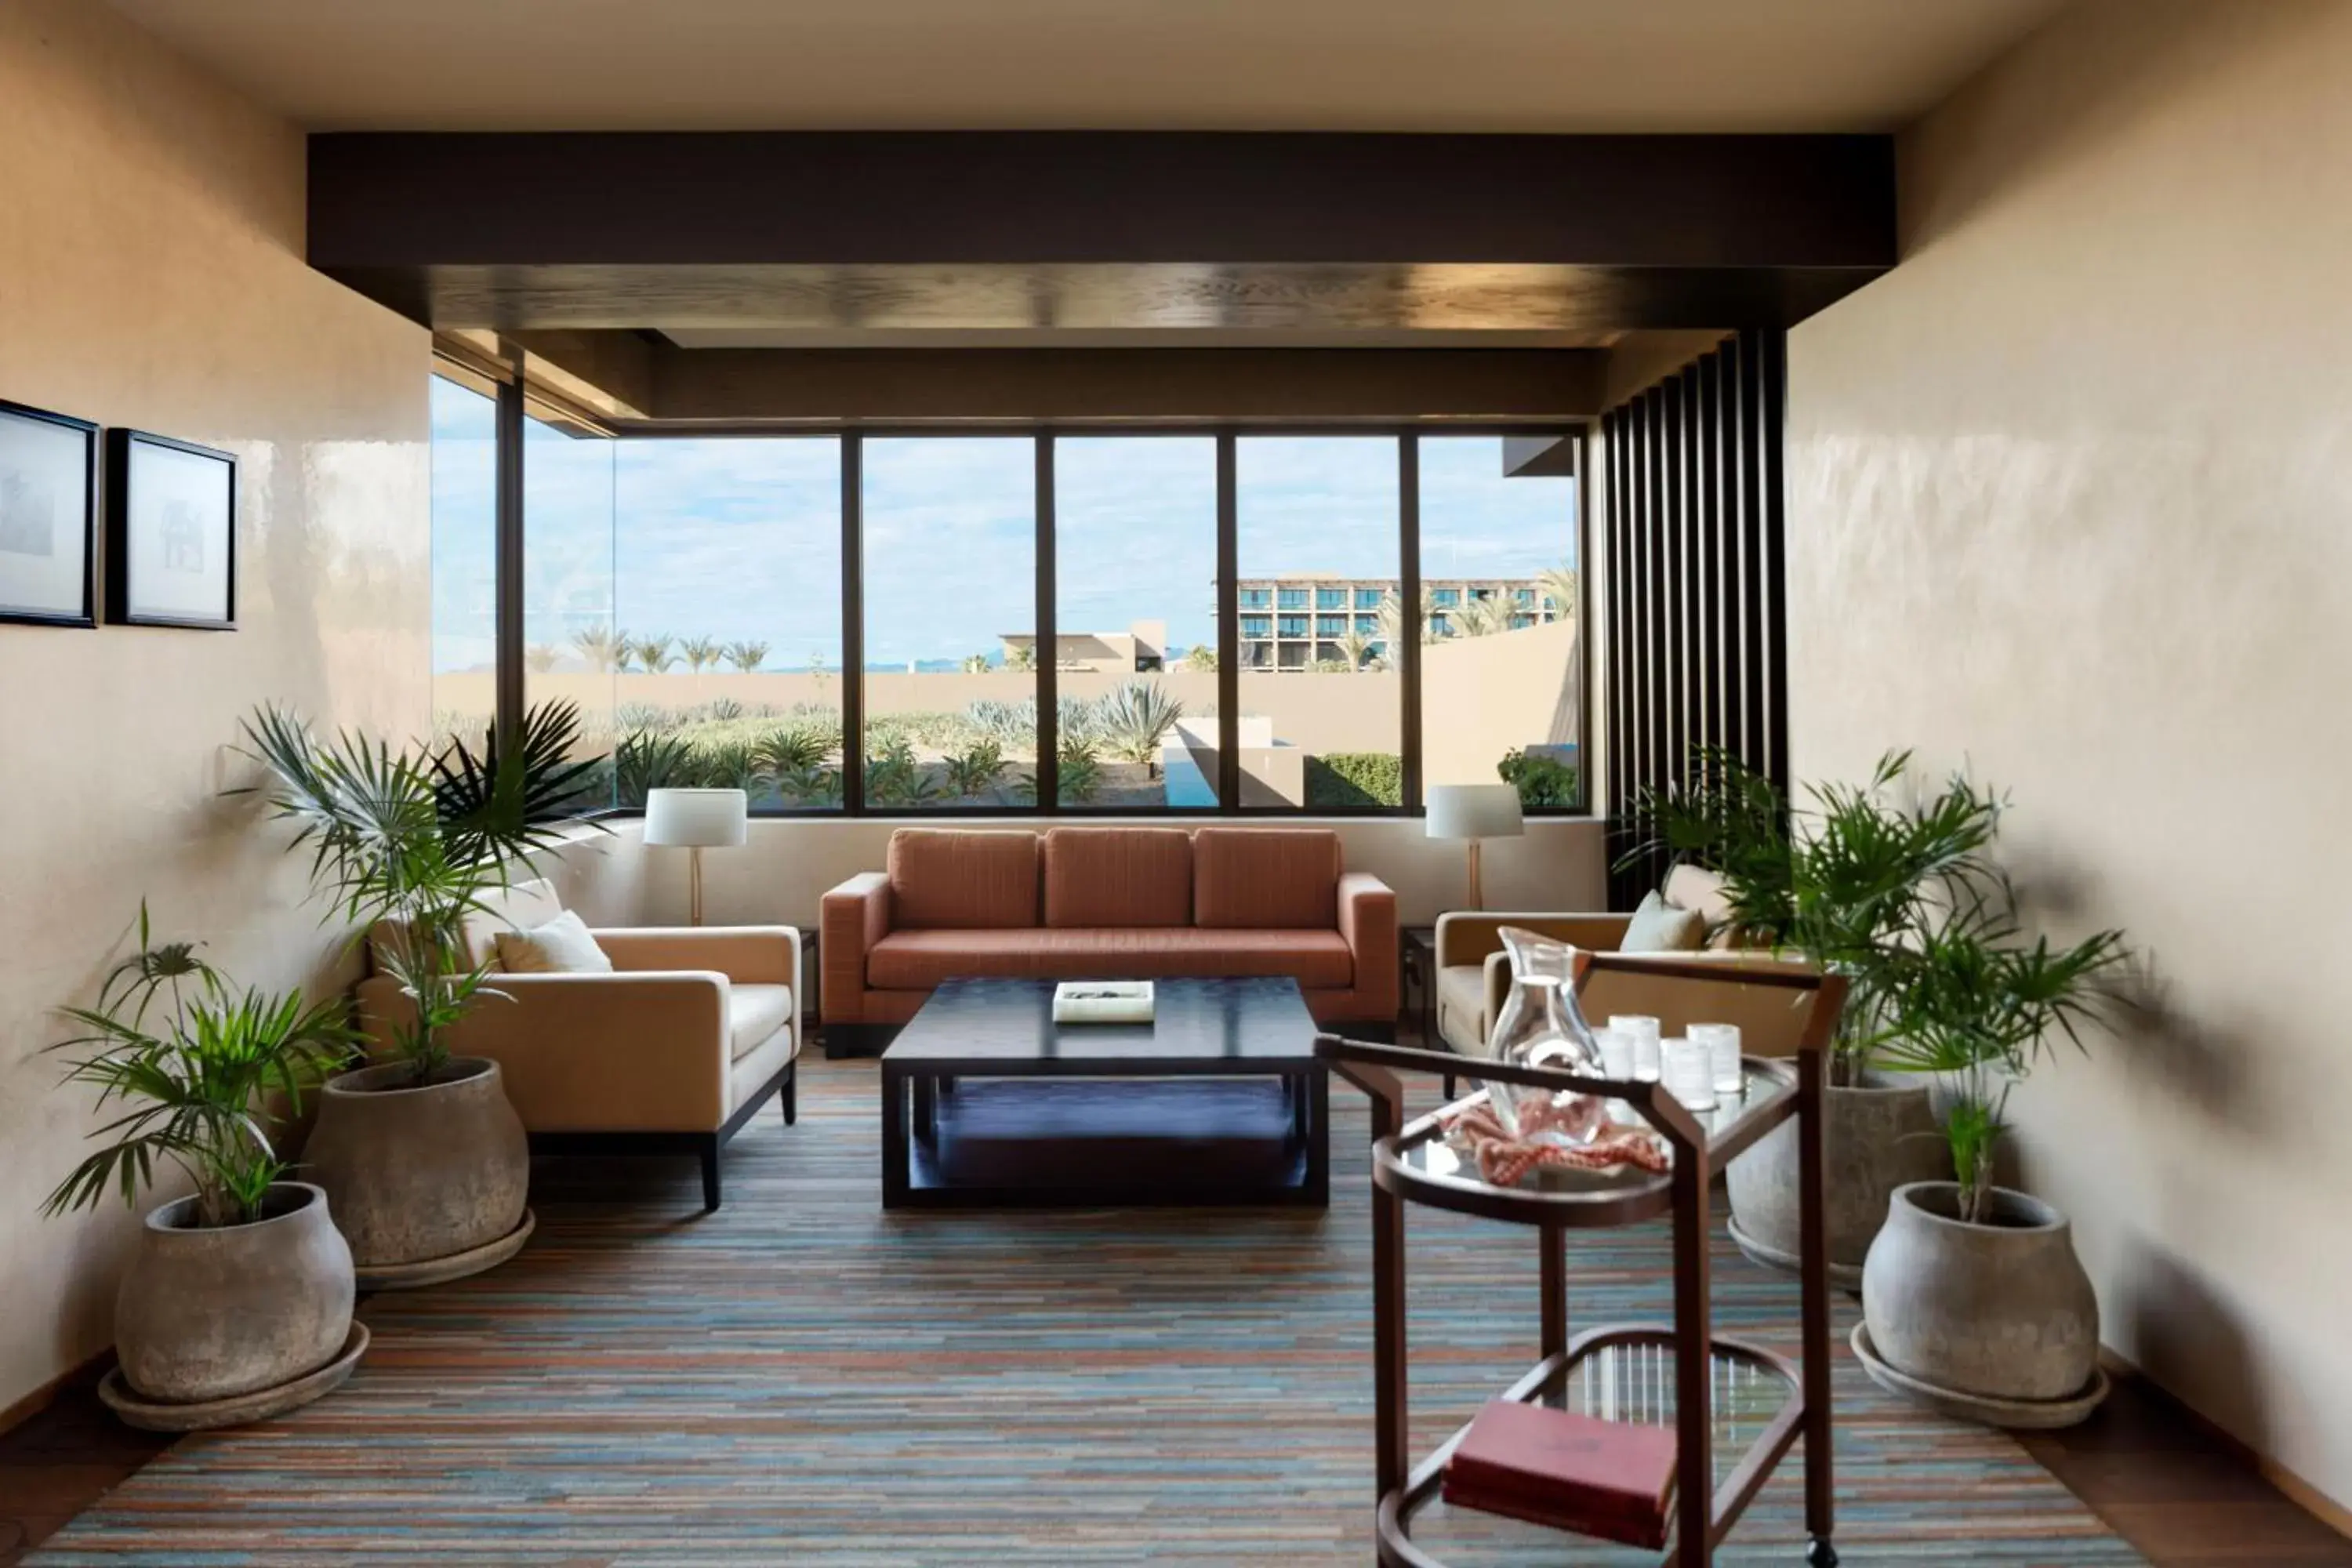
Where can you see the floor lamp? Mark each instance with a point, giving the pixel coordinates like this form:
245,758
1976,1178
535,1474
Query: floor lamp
1475,812
696,820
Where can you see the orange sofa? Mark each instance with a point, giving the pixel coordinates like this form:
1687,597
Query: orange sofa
1099,903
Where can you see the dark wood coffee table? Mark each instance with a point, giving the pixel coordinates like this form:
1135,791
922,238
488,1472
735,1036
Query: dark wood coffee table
987,1102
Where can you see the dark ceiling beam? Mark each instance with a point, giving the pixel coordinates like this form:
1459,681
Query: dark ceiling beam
880,198
521,232
764,388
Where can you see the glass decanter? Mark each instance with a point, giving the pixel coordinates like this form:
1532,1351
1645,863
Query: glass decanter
1540,1026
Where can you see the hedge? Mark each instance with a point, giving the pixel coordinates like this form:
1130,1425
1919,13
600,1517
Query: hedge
1355,778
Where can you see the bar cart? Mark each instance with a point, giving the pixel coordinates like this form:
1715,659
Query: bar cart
1411,1163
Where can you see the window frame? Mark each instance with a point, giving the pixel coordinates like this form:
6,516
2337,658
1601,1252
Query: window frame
852,439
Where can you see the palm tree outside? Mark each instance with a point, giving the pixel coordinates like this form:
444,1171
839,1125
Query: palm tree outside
747,656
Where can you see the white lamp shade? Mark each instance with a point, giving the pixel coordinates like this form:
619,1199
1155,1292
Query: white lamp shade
1474,811
697,818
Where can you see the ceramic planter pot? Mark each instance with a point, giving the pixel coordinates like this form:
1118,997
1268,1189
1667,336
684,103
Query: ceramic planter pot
1998,1311
210,1314
421,1175
1876,1137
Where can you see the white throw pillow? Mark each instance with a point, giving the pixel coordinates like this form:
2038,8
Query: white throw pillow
1659,927
561,946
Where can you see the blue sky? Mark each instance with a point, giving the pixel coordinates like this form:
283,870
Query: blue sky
738,539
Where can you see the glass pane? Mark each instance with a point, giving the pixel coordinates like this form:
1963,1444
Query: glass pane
1136,620
728,552
465,560
951,622
567,612
1501,693
1320,725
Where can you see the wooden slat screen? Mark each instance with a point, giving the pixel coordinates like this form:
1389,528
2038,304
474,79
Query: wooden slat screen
1692,516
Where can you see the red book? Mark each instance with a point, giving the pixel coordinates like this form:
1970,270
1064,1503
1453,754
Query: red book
1611,1479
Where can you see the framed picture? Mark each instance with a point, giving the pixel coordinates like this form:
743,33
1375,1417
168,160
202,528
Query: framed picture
171,533
48,518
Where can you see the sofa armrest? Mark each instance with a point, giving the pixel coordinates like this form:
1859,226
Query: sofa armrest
1368,924
1468,937
602,1053
748,955
852,918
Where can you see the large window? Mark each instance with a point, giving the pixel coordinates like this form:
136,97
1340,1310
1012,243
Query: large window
690,595
1501,684
464,559
726,632
951,563
1321,723
1135,611
567,581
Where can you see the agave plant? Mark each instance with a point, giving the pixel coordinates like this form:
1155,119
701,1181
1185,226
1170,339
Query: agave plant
747,656
974,770
404,847
701,653
1079,720
653,655
790,749
646,760
197,1065
1012,725
895,776
1135,717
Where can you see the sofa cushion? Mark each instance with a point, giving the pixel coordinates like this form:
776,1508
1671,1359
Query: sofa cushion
1278,878
754,1012
918,960
946,879
1119,877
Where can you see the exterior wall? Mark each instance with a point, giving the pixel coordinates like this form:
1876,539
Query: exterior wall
2068,503
1480,697
152,276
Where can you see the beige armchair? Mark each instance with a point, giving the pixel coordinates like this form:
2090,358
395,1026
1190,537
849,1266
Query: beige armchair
1474,976
672,1052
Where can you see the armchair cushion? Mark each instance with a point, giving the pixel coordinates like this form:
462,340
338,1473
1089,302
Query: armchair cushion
753,1014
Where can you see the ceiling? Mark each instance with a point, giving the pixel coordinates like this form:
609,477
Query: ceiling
1556,66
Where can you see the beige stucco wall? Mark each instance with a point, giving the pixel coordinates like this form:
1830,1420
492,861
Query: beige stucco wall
2070,502
150,275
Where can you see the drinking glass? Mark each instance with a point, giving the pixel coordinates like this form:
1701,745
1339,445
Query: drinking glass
1645,1032
1722,1042
1688,1071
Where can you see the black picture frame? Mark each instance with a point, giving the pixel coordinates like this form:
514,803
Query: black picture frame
123,505
85,613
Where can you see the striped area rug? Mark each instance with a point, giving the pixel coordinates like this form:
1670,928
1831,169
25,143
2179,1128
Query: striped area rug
801,1379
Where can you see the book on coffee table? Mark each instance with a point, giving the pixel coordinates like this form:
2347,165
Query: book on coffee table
1615,1479
1102,1002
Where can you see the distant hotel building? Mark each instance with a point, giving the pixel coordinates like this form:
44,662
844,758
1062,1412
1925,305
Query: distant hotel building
1297,622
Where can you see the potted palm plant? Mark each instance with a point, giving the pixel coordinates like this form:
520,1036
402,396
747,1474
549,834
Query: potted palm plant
1973,1297
423,1159
1840,881
237,1302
